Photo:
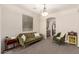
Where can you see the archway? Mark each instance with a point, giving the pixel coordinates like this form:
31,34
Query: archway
50,26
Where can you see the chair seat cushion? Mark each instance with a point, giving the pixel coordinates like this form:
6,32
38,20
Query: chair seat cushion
58,38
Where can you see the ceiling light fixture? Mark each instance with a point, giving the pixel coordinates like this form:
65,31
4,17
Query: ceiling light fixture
44,13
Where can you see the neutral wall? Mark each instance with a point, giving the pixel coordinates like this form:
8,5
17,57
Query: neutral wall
12,21
0,29
42,26
0,22
67,20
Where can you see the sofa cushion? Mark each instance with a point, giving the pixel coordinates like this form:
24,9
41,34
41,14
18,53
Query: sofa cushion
29,39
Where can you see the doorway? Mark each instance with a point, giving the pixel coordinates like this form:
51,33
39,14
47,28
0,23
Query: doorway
51,26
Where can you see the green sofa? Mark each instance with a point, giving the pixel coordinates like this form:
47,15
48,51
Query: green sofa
30,38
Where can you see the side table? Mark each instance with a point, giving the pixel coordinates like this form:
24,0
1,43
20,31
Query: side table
12,42
72,38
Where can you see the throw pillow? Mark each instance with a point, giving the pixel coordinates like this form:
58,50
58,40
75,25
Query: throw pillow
23,37
36,34
62,34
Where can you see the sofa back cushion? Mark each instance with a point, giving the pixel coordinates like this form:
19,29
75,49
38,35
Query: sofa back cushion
30,35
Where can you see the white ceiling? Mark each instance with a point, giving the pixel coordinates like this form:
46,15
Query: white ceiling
51,8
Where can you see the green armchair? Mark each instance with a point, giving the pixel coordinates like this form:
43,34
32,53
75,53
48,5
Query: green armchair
59,39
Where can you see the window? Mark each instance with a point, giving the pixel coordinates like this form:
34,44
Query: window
27,23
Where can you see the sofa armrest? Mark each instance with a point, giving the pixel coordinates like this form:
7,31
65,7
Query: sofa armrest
41,36
21,42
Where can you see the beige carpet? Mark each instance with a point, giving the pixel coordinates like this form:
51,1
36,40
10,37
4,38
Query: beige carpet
45,47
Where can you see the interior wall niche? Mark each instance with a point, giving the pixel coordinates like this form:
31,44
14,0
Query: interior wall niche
51,26
27,23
